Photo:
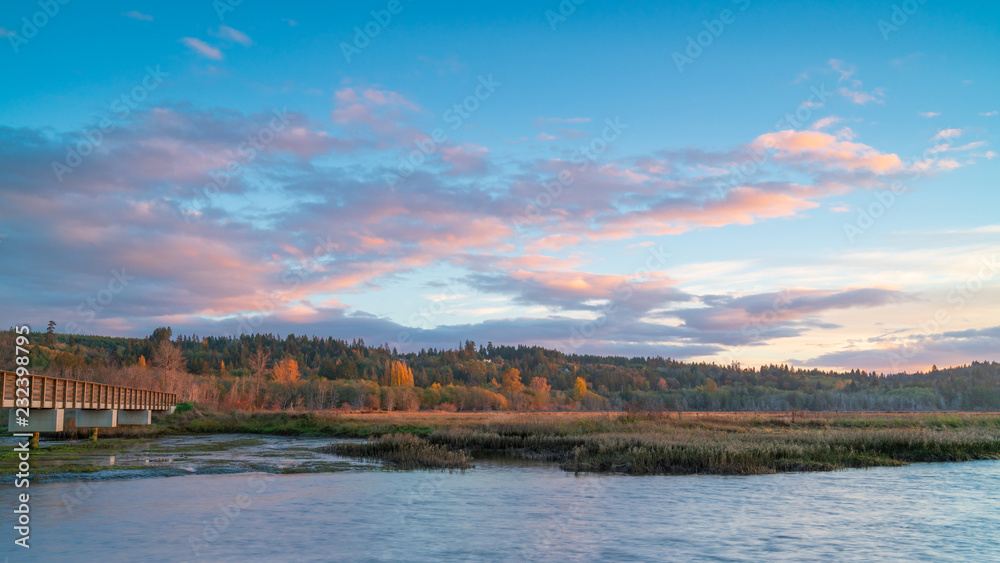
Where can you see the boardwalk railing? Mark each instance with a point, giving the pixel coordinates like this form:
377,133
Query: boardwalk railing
58,393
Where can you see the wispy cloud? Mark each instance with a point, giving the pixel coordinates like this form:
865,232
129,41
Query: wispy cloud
853,93
946,133
202,48
861,98
825,122
230,34
137,15
928,113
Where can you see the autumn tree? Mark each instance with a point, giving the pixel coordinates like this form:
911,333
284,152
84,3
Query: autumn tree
286,371
541,389
579,389
511,380
398,374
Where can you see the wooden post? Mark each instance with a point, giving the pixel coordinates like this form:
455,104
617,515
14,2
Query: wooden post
93,434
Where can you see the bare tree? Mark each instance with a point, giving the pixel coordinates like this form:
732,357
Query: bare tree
258,365
169,359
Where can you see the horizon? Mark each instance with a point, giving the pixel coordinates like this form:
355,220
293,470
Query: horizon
613,180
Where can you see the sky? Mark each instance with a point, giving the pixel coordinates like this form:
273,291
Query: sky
806,183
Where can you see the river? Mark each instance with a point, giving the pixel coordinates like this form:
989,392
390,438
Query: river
516,511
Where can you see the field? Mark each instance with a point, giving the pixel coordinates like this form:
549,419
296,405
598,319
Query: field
630,443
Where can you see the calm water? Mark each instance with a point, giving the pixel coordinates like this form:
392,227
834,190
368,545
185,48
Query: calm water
933,512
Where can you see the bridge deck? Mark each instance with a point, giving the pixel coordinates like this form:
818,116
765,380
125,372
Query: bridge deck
59,393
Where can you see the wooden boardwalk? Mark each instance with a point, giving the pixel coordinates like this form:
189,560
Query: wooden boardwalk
59,393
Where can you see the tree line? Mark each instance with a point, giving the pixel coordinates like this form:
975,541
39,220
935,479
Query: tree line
298,371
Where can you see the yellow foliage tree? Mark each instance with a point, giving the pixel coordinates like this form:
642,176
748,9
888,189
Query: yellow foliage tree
142,361
512,380
579,388
286,371
399,374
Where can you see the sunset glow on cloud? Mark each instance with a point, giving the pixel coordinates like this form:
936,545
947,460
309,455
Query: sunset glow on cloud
510,187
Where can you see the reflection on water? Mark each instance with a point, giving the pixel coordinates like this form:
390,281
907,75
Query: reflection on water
932,512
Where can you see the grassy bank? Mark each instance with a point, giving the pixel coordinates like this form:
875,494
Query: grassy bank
637,444
404,451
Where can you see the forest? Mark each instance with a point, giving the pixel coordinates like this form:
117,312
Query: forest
268,372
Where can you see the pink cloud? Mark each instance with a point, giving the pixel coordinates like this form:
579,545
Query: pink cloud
387,114
741,206
467,158
815,147
202,48
226,32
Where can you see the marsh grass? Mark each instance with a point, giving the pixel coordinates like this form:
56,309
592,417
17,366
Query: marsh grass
724,444
404,451
631,443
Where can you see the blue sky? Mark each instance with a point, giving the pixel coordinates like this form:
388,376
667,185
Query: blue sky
650,240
